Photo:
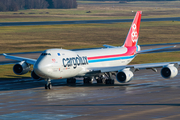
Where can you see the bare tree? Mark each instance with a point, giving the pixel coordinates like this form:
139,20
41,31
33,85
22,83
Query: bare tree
13,6
2,7
65,4
36,4
20,3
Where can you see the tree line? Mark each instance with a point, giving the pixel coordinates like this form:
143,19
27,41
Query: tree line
130,0
14,5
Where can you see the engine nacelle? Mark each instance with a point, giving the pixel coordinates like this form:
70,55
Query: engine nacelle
21,68
124,76
35,76
169,71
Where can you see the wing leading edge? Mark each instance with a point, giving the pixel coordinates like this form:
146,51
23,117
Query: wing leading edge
27,60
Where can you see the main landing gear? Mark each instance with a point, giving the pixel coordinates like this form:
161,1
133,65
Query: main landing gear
48,85
88,80
106,78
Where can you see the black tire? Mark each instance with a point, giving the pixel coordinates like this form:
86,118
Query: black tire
68,80
49,86
74,81
109,82
99,81
46,86
112,82
86,80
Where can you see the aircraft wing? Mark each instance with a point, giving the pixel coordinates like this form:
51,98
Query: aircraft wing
133,68
27,60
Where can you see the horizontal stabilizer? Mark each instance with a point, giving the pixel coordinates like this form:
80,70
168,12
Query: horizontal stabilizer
155,49
109,46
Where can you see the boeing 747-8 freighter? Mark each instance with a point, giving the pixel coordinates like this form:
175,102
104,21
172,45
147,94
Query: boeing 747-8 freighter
94,64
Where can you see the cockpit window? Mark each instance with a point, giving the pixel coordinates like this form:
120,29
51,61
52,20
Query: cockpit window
44,54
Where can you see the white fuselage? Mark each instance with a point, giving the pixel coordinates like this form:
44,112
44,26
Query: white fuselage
61,63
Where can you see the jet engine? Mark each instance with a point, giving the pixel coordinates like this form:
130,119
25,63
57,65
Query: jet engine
35,76
124,75
21,68
169,71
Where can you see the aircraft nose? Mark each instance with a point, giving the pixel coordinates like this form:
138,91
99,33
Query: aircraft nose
41,69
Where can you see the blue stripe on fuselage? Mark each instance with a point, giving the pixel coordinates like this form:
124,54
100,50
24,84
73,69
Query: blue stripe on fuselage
110,59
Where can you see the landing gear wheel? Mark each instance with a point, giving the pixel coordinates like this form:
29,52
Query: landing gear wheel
71,80
112,82
87,80
109,82
99,80
48,85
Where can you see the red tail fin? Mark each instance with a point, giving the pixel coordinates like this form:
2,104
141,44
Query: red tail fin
133,34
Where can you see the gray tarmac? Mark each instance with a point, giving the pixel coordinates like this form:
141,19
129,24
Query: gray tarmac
147,97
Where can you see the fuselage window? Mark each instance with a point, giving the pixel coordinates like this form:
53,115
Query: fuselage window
44,54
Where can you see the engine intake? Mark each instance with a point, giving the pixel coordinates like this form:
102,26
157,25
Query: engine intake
124,76
21,68
169,71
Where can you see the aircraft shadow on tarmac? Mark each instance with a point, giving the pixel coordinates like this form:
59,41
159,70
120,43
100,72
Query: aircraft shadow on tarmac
20,83
7,84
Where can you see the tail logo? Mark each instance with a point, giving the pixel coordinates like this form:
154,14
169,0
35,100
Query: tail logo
134,34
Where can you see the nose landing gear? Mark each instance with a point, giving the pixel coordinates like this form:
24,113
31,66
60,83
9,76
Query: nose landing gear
48,85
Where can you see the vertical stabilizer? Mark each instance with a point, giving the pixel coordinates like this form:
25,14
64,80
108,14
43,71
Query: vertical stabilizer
133,34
